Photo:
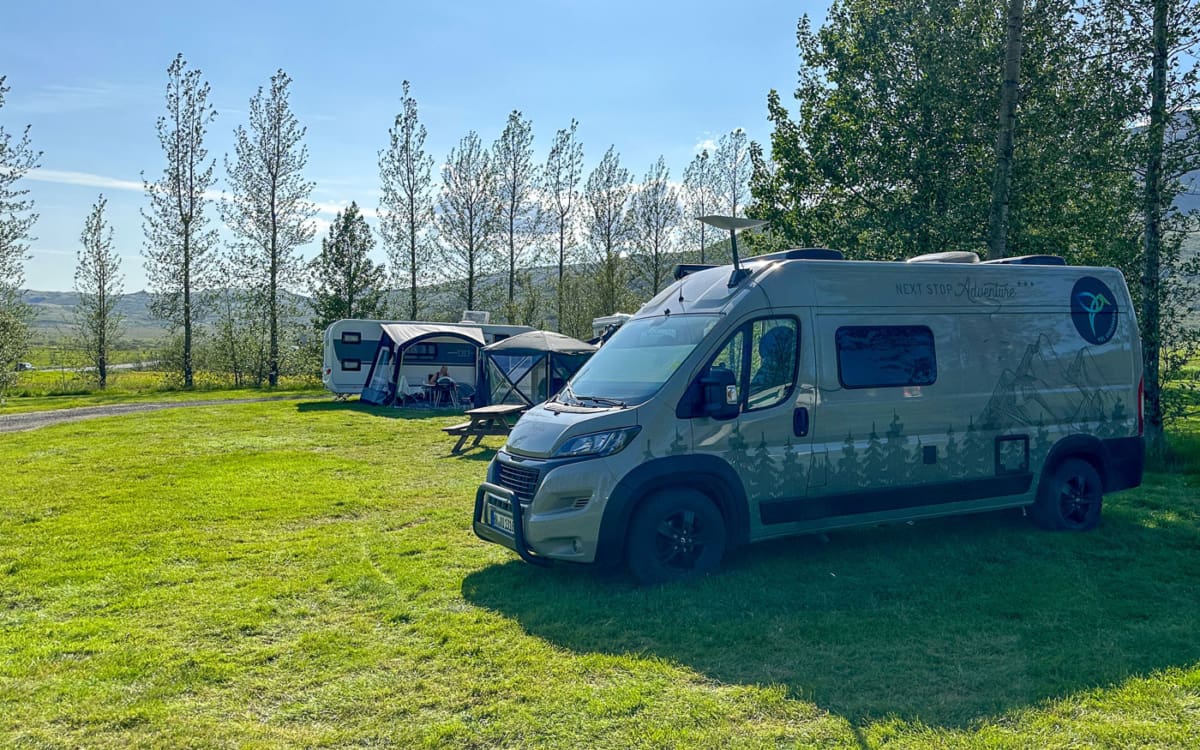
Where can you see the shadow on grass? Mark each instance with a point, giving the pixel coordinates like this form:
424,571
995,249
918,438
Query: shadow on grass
946,621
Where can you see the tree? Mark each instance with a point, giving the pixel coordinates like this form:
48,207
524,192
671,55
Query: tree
607,192
516,178
345,282
891,152
468,214
731,167
1002,183
699,199
179,242
560,181
654,216
1170,149
406,207
17,158
268,209
99,284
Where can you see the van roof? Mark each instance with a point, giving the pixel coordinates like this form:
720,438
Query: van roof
971,287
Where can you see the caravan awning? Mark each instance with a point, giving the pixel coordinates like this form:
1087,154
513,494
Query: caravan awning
404,334
540,342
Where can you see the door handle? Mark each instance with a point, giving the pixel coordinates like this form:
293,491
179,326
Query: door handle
800,421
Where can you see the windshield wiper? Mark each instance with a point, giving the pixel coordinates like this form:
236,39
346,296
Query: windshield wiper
600,400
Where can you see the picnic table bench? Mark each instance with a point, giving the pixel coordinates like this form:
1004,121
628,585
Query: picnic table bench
495,419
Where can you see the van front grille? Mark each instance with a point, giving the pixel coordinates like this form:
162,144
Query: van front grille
522,481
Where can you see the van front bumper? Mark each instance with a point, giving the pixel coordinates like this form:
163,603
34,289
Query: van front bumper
490,523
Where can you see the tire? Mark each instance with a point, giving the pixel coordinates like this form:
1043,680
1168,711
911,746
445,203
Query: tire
1070,498
675,535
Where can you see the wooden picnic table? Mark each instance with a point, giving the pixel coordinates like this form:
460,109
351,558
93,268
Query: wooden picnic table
495,419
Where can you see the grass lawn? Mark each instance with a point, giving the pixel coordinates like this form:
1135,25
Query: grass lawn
304,574
49,390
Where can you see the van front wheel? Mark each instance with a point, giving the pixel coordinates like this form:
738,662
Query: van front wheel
1070,498
674,535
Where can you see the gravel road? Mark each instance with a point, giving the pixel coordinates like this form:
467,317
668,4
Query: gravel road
35,419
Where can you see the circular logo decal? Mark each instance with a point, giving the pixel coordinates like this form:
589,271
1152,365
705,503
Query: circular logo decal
1094,310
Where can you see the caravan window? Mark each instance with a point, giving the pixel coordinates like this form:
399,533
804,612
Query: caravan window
885,356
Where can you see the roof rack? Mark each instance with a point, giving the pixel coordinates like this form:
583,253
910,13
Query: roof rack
684,269
802,253
954,256
1029,260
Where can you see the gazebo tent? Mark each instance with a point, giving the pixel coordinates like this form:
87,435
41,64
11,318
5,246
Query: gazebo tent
407,350
531,367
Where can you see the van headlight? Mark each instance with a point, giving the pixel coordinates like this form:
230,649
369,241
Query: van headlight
597,443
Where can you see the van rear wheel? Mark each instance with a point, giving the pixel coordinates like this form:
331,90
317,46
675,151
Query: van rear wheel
1070,498
675,535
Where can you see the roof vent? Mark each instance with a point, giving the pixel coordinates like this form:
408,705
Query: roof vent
476,316
803,253
1029,260
955,256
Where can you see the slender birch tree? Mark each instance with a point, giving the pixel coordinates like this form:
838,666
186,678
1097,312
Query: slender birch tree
468,215
179,242
607,193
654,217
732,172
17,159
516,179
268,209
699,198
99,284
406,207
560,185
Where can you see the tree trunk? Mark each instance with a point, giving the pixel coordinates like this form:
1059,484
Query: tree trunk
562,261
273,314
1153,210
188,381
1002,182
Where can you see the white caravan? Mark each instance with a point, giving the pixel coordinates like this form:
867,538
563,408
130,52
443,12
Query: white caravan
350,346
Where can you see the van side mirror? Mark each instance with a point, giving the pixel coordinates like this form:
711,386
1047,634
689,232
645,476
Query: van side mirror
720,394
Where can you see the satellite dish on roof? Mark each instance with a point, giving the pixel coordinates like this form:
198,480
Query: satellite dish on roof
734,225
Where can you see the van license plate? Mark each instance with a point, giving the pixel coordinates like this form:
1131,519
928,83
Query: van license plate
500,521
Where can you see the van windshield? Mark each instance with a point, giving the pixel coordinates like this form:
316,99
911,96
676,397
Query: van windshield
637,360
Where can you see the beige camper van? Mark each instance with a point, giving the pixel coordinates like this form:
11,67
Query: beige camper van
802,393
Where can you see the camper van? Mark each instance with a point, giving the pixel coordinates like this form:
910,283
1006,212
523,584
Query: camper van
801,393
351,346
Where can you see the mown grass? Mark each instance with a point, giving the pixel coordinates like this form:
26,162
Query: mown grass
304,574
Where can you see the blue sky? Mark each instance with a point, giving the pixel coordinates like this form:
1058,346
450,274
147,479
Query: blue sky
650,78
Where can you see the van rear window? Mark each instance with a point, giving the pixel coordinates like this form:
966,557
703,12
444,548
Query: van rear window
885,356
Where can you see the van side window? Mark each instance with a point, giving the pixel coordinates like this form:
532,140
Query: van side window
885,356
731,355
762,357
772,362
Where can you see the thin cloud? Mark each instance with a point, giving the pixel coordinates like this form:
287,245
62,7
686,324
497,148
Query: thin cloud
83,179
59,99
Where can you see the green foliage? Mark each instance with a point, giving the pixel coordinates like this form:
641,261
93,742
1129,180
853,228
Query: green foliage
266,584
346,283
891,151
